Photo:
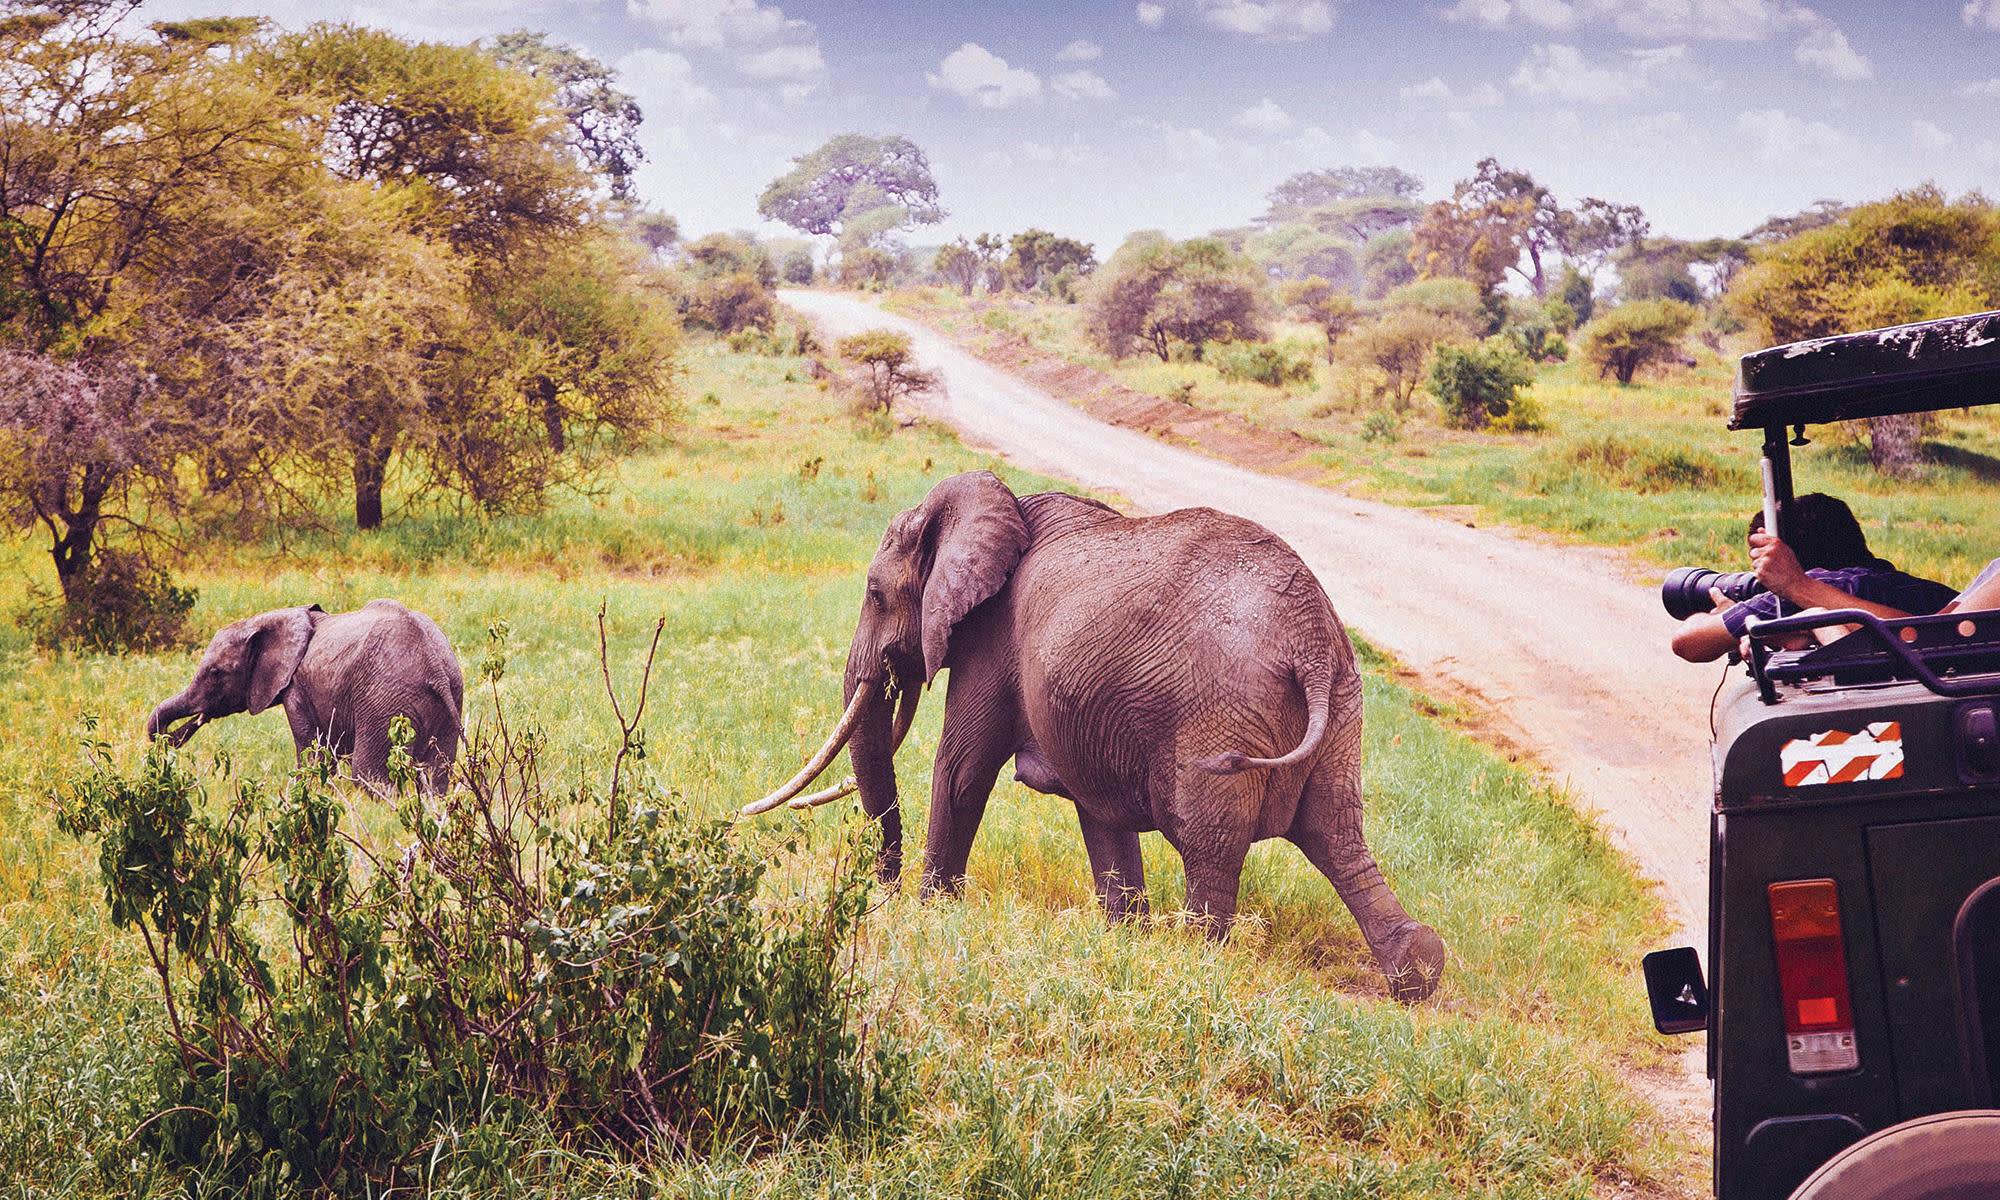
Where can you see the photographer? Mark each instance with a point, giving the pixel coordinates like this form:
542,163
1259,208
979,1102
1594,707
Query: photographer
1822,562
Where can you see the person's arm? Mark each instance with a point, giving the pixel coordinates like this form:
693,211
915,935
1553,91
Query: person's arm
1982,594
1704,637
1778,570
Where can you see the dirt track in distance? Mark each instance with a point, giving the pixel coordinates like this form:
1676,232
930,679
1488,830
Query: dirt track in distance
1561,650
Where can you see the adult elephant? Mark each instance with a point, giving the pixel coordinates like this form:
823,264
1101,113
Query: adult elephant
1184,673
341,677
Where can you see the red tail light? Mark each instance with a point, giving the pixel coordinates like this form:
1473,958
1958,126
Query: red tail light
1812,976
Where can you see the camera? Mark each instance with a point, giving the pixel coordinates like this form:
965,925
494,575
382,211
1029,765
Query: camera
1685,592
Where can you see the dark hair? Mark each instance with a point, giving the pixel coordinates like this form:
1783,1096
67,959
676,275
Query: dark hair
1822,531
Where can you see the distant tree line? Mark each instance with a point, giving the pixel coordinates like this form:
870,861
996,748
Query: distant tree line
243,270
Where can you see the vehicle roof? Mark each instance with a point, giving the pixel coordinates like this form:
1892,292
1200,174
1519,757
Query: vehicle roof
1948,363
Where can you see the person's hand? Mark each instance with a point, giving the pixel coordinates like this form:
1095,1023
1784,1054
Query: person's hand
1721,603
1776,566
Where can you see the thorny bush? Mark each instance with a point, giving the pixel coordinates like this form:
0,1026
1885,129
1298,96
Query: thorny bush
353,1013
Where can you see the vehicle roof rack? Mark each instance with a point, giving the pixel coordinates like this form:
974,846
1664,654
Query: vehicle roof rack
1952,654
1948,363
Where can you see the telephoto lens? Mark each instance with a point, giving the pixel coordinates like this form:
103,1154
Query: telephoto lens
1685,592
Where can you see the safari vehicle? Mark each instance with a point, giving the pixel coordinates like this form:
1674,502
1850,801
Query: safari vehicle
1853,1000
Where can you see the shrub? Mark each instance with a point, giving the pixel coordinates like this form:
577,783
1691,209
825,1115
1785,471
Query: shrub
1475,384
1381,425
1625,339
1560,315
1454,300
346,1014
121,602
1645,466
1162,294
798,267
730,303
1537,341
889,374
1262,362
1399,343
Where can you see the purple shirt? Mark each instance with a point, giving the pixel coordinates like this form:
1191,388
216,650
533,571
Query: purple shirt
1877,585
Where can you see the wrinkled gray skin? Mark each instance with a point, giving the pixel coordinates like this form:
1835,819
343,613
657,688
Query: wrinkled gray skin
1183,673
341,678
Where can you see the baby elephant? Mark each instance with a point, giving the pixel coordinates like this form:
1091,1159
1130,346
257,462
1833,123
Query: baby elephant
342,678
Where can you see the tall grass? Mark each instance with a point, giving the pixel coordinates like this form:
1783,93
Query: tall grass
1056,1057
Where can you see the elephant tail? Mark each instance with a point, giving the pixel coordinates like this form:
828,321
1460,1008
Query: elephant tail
1318,683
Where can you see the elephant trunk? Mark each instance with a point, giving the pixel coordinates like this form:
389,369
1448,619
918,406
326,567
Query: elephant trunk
873,752
174,708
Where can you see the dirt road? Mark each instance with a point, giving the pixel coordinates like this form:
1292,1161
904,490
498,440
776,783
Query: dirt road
1562,649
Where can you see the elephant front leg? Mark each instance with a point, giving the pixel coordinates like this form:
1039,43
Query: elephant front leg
977,741
1119,871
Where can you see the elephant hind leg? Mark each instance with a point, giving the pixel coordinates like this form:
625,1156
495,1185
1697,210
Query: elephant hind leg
1328,831
1119,871
1214,818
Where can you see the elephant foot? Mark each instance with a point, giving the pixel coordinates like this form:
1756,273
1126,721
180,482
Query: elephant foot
1412,960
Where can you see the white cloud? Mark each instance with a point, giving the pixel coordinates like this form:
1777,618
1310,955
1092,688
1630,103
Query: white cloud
715,22
1981,89
1287,19
1781,136
1192,145
1710,20
1039,152
1983,14
1081,85
1929,136
1494,14
1266,116
663,83
1080,50
1553,69
1152,16
1436,91
1370,149
983,79
793,61
1827,50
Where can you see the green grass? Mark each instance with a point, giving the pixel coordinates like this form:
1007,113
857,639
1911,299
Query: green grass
1648,467
1056,1057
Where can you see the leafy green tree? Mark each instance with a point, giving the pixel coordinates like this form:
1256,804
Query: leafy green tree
1455,301
480,152
1328,308
603,121
1595,230
1785,227
1310,190
1657,269
1628,338
959,264
1299,251
1916,255
135,175
798,266
1385,263
1398,342
1035,255
1575,289
1163,293
1478,383
1482,230
855,177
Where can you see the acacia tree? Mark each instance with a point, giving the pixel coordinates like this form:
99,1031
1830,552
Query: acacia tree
889,373
1324,305
959,264
855,187
1916,255
1162,293
1036,254
127,167
1595,229
603,121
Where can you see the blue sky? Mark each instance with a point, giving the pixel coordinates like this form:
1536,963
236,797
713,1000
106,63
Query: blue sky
1095,119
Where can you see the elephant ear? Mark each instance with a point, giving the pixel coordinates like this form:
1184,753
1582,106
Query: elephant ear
977,536
278,643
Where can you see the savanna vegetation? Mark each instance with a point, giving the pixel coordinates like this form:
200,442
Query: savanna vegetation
1526,361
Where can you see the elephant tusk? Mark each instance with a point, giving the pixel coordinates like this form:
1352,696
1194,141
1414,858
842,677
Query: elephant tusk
819,761
906,714
845,787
